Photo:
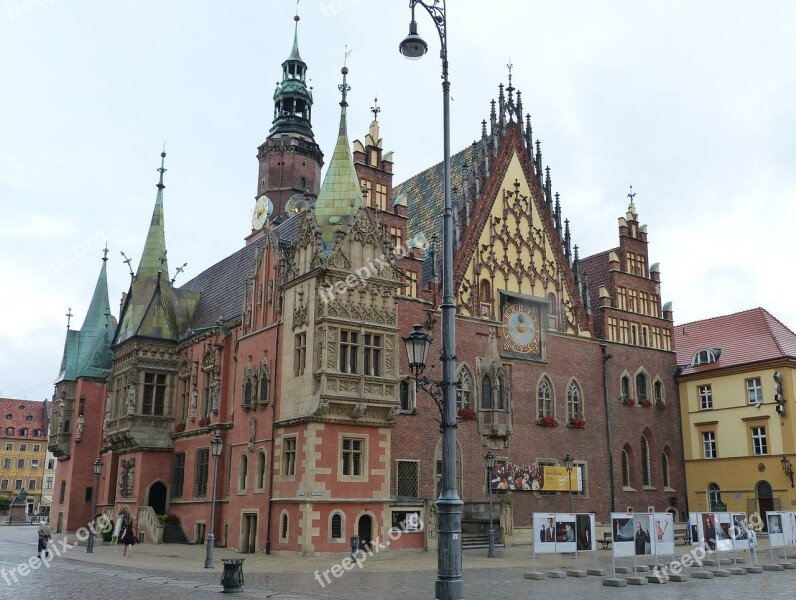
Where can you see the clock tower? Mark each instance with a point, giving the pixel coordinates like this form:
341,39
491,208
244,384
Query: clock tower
289,160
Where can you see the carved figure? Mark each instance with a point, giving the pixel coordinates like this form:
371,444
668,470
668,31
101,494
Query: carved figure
131,399
215,395
79,430
20,497
358,410
252,428
192,412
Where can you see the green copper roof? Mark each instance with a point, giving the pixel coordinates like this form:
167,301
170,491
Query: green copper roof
294,54
153,308
153,258
340,196
87,352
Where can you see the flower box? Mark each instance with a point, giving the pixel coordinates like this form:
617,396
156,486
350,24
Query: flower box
576,423
467,414
645,403
546,421
629,401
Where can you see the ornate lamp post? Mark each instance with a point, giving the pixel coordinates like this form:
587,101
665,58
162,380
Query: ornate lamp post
216,445
97,465
569,462
449,584
490,464
787,468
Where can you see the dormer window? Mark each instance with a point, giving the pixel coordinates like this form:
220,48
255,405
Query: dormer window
705,356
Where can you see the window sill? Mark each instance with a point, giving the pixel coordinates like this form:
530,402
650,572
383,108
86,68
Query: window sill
627,488
666,488
649,488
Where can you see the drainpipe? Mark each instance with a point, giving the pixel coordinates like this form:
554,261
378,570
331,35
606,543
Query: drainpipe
608,437
273,437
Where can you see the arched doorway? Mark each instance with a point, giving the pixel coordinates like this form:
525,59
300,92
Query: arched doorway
765,500
157,497
365,530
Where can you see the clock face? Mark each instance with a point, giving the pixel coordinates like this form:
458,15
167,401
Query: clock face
262,209
520,330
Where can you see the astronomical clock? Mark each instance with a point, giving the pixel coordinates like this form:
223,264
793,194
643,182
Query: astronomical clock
522,332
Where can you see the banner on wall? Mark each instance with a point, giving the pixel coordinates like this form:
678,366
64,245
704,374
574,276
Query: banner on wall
563,532
532,478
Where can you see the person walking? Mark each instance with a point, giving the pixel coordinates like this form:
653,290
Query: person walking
128,539
44,539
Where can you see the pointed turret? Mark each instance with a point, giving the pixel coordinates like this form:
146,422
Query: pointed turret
340,196
87,351
153,258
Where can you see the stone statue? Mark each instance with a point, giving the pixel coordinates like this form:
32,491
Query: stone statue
192,412
215,395
252,428
20,497
358,410
508,520
131,400
79,430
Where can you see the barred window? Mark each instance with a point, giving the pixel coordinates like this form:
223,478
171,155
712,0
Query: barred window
408,474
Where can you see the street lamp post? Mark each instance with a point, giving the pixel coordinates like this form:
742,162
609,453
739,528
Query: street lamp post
97,470
449,584
216,444
569,462
490,464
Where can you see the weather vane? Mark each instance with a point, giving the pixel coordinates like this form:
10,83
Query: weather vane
69,316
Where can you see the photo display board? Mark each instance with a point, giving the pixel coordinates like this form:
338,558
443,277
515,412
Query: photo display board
739,531
630,534
662,533
775,520
563,532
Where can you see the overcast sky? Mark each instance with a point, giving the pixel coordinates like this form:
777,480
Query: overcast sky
691,101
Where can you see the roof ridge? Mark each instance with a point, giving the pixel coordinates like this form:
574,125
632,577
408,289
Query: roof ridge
740,312
768,316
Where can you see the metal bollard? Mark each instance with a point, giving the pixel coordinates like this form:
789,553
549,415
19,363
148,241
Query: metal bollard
354,546
232,578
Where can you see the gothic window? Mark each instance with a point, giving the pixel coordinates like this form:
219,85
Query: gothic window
243,473
625,387
486,393
207,385
465,391
645,462
265,381
657,390
667,481
260,473
283,530
337,526
486,291
499,393
714,496
248,393
574,401
544,398
406,395
641,387
625,469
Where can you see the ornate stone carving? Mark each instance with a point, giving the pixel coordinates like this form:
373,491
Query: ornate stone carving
392,415
215,396
358,410
323,407
79,429
192,411
130,403
252,429
127,478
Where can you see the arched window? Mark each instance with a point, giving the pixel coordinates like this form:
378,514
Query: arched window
625,387
283,530
714,496
641,387
23,432
551,299
337,526
10,431
657,390
625,469
667,482
247,393
645,462
574,401
438,461
544,398
260,480
243,472
486,291
465,391
486,392
67,426
499,391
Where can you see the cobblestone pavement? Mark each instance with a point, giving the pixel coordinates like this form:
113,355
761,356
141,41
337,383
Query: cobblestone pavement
176,572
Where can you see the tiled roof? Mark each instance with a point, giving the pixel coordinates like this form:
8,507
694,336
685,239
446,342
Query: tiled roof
223,285
595,268
19,411
745,337
425,194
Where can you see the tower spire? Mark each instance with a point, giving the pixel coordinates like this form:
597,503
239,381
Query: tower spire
294,53
153,258
162,168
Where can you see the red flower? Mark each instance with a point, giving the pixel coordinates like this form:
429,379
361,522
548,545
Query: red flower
577,423
467,414
546,421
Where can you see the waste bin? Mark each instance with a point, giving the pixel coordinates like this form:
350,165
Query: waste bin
232,579
354,546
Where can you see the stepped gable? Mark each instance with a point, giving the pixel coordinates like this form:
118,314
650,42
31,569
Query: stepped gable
595,269
222,287
744,337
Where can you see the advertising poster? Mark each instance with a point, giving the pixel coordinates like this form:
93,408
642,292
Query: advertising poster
724,524
565,532
544,527
775,536
584,530
739,531
707,530
623,534
662,533
642,533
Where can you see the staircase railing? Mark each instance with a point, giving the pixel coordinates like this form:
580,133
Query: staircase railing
149,525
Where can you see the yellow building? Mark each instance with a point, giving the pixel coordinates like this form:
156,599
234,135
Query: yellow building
737,380
23,448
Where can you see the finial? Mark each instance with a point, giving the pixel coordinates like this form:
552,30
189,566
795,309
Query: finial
632,194
68,316
344,87
127,261
375,108
178,271
162,168
510,67
297,18
105,253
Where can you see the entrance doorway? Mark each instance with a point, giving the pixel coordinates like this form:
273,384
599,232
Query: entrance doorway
365,530
157,497
248,533
765,500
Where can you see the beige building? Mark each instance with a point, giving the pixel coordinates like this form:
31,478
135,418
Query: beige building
737,381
